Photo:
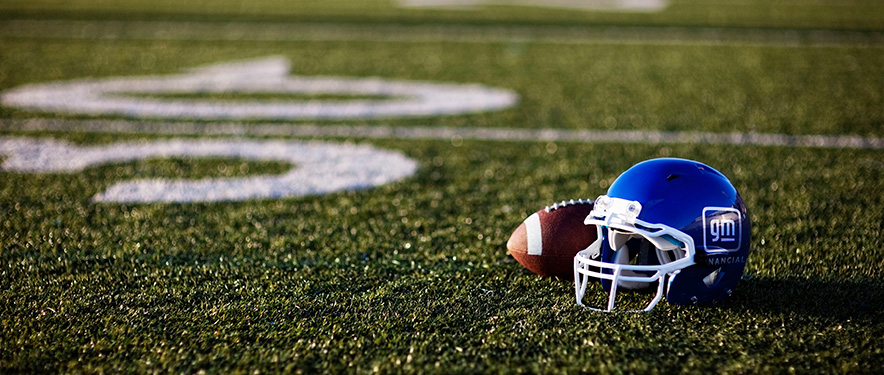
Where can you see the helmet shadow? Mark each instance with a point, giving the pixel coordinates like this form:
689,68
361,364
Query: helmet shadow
819,298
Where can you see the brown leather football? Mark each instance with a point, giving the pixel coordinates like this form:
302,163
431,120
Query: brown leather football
547,241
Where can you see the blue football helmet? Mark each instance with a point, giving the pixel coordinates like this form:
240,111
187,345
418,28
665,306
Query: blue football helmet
671,225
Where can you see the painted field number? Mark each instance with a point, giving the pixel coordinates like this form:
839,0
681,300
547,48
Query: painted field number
318,167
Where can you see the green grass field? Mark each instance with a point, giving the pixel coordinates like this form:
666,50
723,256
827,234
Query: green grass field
412,276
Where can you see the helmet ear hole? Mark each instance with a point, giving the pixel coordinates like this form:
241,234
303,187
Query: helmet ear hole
713,277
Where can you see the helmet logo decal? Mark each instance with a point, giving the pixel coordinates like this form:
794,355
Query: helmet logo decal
722,228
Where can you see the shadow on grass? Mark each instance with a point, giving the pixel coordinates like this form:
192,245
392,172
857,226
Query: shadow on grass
820,298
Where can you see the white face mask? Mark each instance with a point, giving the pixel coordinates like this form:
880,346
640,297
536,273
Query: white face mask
617,221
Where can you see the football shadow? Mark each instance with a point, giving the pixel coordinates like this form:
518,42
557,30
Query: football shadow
828,299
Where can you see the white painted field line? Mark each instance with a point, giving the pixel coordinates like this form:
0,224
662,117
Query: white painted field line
644,6
243,31
444,133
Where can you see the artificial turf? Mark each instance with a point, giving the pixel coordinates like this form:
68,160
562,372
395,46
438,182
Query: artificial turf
790,90
413,276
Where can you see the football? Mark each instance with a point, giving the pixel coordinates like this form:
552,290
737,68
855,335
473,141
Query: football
547,241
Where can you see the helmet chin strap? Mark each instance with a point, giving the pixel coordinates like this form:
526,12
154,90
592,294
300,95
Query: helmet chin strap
623,257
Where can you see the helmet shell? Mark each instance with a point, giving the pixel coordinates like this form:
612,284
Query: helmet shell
701,202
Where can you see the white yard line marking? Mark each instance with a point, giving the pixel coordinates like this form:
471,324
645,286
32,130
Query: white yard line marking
443,133
587,5
242,31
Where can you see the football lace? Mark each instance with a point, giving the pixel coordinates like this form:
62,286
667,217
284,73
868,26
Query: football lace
568,203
